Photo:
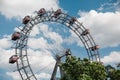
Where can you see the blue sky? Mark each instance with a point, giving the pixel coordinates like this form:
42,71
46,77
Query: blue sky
100,16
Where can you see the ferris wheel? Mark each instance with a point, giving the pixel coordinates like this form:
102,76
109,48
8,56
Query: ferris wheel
21,40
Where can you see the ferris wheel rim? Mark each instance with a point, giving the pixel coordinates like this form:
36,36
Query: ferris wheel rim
63,19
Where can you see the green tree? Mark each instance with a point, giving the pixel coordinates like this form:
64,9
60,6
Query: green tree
77,69
115,75
118,66
112,73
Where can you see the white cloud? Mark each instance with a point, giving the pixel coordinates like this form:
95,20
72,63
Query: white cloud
35,31
44,60
112,58
6,52
38,51
41,57
51,34
105,27
73,38
20,8
53,38
110,6
43,76
14,75
39,43
4,59
5,42
43,37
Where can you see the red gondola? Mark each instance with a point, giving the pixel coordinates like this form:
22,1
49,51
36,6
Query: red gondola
57,13
72,20
13,59
94,48
41,11
87,31
26,19
16,36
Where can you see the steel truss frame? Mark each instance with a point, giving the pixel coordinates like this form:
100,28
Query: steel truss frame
23,65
